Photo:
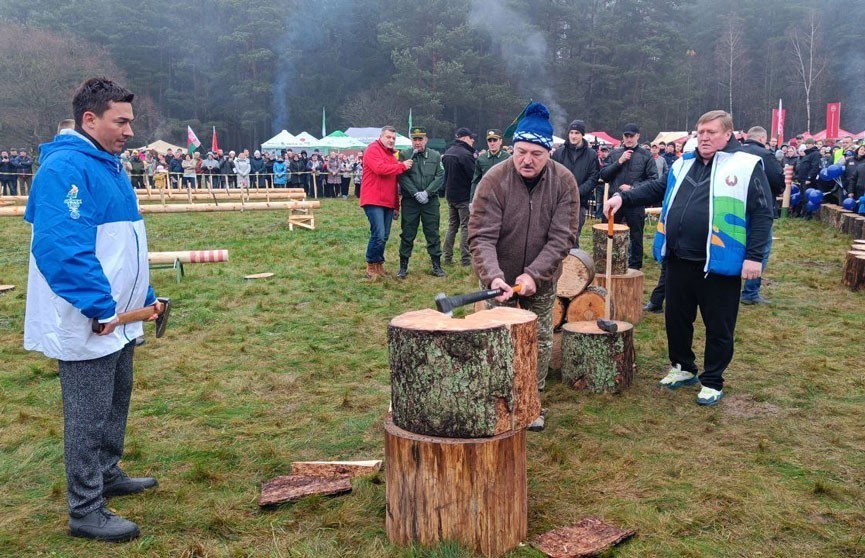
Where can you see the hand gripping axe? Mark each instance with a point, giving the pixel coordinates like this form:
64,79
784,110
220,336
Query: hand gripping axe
141,314
446,304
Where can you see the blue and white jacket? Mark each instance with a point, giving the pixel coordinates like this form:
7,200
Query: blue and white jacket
88,254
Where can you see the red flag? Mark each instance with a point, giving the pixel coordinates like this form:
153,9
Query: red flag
778,116
214,145
833,120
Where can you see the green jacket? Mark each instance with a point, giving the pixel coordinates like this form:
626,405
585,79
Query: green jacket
484,163
427,173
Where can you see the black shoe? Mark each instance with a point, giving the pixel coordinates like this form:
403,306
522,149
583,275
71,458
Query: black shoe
653,308
102,525
437,266
124,484
403,268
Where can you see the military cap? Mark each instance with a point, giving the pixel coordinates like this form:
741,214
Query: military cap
418,132
494,133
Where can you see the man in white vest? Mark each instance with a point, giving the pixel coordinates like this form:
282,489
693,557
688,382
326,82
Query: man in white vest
715,222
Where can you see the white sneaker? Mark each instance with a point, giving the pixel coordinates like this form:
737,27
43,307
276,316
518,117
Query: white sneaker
708,396
677,378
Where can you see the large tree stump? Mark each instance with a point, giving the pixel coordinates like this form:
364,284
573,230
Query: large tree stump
854,270
472,491
847,221
621,240
464,378
595,360
859,227
578,270
626,291
587,306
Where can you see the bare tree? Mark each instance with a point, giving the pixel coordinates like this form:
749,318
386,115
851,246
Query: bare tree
810,60
730,53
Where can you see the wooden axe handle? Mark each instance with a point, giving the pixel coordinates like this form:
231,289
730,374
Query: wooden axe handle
137,315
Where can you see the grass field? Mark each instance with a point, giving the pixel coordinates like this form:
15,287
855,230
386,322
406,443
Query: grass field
253,375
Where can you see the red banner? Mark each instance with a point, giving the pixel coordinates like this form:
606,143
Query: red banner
214,145
833,120
778,116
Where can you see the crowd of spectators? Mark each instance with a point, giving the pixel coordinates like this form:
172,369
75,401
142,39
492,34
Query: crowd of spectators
16,172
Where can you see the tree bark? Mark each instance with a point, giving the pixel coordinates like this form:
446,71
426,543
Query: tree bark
626,291
621,239
471,491
847,220
578,270
854,270
560,307
595,360
464,378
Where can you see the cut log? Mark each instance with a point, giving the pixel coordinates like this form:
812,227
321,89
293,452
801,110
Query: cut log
560,306
589,537
626,291
4,288
859,227
350,469
578,270
471,491
237,195
595,360
858,242
847,221
854,270
186,257
621,239
588,305
556,357
464,378
823,214
295,487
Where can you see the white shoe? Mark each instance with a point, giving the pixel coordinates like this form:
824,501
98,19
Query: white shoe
677,378
708,396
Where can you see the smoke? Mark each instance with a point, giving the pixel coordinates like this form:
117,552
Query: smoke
524,51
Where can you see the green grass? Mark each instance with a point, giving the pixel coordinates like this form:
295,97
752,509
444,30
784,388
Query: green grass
254,375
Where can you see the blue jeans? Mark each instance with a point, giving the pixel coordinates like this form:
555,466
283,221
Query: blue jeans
752,286
380,220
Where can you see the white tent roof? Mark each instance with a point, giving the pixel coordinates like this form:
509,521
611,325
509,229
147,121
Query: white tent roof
161,147
401,142
340,143
279,141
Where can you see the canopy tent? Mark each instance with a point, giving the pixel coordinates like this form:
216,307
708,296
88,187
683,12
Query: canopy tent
339,140
671,137
279,141
402,142
161,147
821,135
368,135
559,141
604,137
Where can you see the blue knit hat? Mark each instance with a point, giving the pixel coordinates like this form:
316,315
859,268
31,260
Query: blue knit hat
535,126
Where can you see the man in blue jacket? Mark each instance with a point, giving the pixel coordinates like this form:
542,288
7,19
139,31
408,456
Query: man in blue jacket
88,260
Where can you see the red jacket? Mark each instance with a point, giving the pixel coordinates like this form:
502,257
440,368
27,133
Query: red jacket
380,169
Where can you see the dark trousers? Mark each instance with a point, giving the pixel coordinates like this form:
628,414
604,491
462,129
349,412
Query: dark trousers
9,186
96,396
343,187
717,297
413,213
635,218
458,221
657,296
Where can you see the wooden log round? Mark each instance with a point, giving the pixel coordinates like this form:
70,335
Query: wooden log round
621,240
847,221
471,491
588,305
859,242
854,270
464,378
626,291
595,360
560,307
859,227
578,271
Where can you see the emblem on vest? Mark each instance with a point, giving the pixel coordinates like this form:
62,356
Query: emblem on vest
72,202
731,180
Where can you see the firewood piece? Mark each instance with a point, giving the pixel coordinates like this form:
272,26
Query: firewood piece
464,378
859,242
4,288
626,292
335,468
595,360
588,306
556,358
560,307
295,487
264,275
854,270
621,242
589,537
847,221
469,490
578,270
858,231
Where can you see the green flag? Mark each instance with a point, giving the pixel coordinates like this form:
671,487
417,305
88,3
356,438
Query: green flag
409,121
323,127
509,133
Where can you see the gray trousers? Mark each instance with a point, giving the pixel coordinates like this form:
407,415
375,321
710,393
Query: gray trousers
96,396
458,220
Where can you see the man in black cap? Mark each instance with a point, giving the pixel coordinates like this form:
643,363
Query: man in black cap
419,187
629,165
459,164
582,161
487,160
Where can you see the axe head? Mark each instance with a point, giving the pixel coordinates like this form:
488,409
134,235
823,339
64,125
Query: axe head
445,304
162,320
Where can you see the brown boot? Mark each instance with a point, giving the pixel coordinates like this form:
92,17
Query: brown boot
371,271
380,269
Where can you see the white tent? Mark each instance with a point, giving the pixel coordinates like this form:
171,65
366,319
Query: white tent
161,147
369,135
279,141
402,142
303,140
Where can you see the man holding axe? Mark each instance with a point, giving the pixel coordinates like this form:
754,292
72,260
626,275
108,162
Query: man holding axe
523,223
88,263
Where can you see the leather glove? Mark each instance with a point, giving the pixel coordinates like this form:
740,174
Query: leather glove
422,197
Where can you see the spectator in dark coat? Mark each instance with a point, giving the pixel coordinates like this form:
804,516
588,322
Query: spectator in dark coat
809,164
582,161
257,172
459,164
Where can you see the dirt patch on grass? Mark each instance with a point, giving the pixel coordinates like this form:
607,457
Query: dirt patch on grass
744,406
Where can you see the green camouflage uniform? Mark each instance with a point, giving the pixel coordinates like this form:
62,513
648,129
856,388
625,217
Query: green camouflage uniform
484,163
427,173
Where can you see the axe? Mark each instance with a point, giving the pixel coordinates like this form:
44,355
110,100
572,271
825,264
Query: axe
446,304
605,323
140,315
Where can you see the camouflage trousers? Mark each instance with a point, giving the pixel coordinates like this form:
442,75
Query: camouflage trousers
541,303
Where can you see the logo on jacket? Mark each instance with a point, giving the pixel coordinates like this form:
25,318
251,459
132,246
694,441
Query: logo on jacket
731,180
72,202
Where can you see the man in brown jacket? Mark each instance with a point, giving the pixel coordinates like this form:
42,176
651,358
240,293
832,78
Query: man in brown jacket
523,223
